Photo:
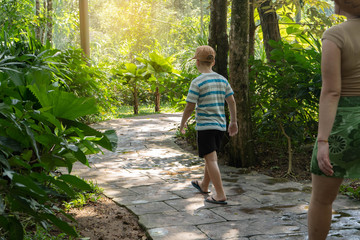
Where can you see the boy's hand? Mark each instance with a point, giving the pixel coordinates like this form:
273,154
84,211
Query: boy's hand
182,128
233,129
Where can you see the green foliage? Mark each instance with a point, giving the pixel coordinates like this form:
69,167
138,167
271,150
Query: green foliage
79,199
17,14
82,198
285,94
134,78
160,68
177,89
126,111
190,132
40,131
351,189
42,234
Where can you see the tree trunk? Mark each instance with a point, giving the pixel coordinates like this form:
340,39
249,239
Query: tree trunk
218,37
241,151
269,24
49,20
157,100
37,13
202,18
252,28
136,100
290,155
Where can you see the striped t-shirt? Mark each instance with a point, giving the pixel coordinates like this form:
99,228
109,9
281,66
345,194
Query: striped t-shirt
209,91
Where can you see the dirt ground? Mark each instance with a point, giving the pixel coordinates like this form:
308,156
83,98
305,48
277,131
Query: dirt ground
105,220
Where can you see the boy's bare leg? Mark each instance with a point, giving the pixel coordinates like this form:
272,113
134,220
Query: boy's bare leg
324,192
213,171
204,184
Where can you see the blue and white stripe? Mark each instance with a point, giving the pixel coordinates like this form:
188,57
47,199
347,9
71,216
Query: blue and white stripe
209,91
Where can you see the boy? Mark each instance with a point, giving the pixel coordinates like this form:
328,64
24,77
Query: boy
208,92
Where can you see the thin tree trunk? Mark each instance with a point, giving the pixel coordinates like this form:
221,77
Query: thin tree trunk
136,100
37,13
43,34
49,20
202,18
290,155
218,37
241,151
270,25
252,29
157,100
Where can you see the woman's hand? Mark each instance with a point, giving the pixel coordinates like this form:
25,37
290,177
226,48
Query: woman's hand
323,158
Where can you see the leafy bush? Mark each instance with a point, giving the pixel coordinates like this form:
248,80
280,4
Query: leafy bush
40,131
351,189
82,198
285,94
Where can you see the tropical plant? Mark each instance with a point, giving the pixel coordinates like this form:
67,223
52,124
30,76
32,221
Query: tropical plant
161,68
132,76
40,132
285,95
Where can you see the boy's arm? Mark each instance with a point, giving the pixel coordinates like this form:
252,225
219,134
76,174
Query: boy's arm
233,127
187,113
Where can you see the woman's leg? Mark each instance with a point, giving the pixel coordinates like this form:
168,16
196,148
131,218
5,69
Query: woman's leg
324,192
213,172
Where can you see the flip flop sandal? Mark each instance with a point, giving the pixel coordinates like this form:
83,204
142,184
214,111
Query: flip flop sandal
196,185
212,200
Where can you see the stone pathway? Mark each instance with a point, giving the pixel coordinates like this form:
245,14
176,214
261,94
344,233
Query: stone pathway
150,175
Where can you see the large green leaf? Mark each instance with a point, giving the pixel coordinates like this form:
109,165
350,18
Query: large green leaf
131,68
75,182
62,225
108,139
29,186
62,104
16,231
4,161
10,144
2,206
64,187
52,161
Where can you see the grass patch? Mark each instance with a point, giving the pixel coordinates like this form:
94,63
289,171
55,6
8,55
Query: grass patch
128,111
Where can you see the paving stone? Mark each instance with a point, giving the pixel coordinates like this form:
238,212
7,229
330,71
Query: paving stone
344,202
179,218
189,204
348,234
229,230
144,198
152,207
113,192
177,233
344,219
236,213
298,236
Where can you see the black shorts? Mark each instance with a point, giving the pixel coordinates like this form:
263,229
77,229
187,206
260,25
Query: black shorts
209,141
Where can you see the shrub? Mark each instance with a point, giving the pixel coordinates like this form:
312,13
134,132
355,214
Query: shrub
40,131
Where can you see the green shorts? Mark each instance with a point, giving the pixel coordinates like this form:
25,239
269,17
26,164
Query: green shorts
344,141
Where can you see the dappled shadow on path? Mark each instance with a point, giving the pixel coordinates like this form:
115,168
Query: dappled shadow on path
149,174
